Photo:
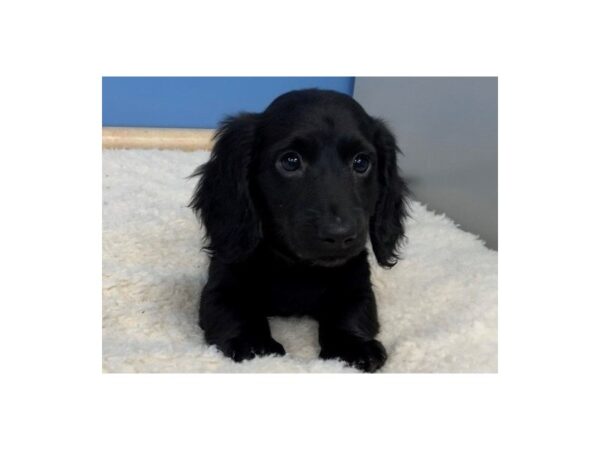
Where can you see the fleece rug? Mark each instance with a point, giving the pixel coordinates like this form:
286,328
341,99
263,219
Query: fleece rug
437,306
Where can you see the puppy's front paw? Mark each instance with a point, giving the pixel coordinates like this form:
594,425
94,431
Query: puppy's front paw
248,346
367,356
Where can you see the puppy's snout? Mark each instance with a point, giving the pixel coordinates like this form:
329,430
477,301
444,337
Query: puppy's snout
337,233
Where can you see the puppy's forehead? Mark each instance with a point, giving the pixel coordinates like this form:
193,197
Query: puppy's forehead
313,119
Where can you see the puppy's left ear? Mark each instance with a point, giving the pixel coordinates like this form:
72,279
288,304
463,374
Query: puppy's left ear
387,224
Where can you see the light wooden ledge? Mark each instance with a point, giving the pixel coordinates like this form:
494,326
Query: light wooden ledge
188,139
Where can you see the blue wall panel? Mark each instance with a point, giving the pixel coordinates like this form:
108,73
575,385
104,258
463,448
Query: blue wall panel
198,102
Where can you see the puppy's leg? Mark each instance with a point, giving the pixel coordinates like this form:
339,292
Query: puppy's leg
348,326
364,353
232,320
238,334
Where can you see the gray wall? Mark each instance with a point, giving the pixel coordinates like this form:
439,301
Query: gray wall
447,128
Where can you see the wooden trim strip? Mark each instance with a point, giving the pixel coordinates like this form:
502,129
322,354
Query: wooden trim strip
187,139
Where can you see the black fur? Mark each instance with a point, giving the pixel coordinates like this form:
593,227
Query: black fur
292,242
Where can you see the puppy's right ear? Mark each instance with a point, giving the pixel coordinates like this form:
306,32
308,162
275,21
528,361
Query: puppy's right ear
222,195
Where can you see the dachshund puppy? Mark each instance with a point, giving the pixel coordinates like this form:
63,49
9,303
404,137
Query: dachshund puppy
288,199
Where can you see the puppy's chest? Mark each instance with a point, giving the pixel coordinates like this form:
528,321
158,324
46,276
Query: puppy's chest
294,295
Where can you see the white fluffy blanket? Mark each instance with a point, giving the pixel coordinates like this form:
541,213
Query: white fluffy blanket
437,307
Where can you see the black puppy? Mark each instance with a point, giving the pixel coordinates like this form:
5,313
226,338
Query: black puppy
288,199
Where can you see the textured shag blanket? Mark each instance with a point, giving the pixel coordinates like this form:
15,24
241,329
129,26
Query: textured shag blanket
437,306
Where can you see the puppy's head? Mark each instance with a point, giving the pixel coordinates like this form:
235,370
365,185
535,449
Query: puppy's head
312,176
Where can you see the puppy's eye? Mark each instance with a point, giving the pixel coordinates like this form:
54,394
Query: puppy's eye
291,161
361,163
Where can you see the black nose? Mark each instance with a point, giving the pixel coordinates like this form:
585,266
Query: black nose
337,234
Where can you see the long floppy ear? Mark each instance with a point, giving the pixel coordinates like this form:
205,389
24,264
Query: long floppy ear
387,224
222,195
